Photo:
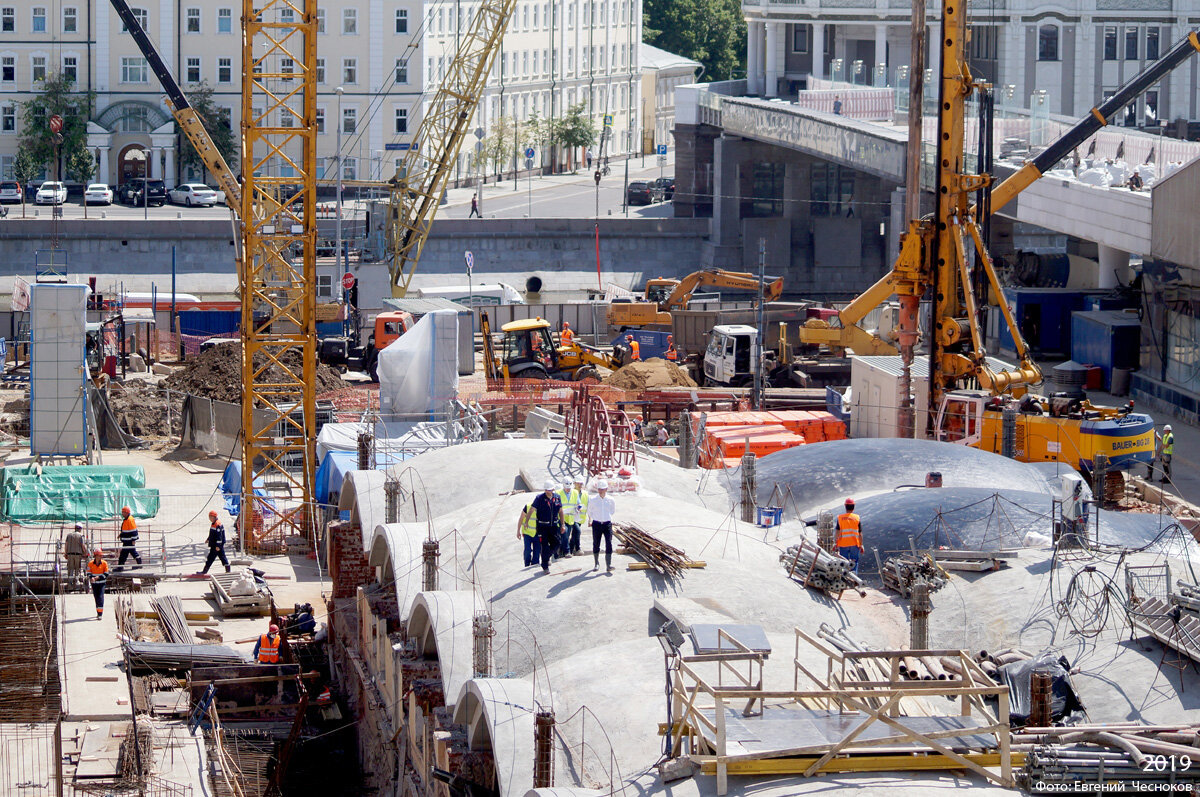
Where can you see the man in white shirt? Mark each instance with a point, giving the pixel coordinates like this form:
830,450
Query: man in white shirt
601,509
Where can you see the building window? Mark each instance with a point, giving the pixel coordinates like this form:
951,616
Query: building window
39,19
1048,43
983,42
70,20
6,167
39,68
1110,44
320,120
324,286
287,15
1151,44
193,70
320,20
70,68
1131,44
401,70
402,20
8,20
350,21
8,118
135,120
349,119
286,118
192,23
287,66
350,169
134,70
143,19
224,70
1152,108
401,120
8,69
225,112
224,20
800,38
832,188
350,70
320,70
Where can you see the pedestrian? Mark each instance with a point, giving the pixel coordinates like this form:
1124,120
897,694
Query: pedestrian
527,530
97,570
849,539
75,549
660,435
129,538
475,206
601,511
635,351
266,649
837,105
566,337
216,543
588,154
575,511
548,509
1167,450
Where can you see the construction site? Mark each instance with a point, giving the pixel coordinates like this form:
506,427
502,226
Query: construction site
567,548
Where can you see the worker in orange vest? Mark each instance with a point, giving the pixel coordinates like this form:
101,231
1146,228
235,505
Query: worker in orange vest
635,351
849,534
97,570
566,337
671,355
266,649
128,538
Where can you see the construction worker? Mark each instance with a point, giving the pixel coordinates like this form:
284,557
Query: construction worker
575,510
601,511
548,509
1166,451
849,534
75,549
660,433
129,538
635,351
97,570
671,354
216,543
566,337
527,530
266,649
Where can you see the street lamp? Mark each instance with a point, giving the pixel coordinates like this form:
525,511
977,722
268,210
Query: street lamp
340,123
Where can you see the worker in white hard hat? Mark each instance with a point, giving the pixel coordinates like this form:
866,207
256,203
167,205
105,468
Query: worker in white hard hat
601,509
1166,450
575,511
548,510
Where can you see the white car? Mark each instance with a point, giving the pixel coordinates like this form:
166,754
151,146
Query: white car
51,194
97,194
192,194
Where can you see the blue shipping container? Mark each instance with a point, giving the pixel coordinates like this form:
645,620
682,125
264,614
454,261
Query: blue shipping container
1108,339
1044,317
209,322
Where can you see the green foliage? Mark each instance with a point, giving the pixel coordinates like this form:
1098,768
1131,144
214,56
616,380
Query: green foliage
577,128
58,96
712,32
25,167
498,145
81,165
216,123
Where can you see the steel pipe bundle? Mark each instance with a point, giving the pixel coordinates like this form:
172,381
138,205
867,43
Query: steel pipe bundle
1186,595
172,619
820,569
160,656
1098,754
899,573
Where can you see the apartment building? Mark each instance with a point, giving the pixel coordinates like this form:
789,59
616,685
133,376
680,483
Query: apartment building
382,54
1075,51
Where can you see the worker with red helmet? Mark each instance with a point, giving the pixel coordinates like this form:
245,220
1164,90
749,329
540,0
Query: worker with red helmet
97,570
849,534
129,538
635,351
216,543
266,649
671,354
566,337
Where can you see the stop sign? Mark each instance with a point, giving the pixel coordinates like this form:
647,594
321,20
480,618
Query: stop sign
348,280
56,123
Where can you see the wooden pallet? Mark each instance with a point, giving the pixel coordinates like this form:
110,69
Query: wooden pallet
1153,616
238,605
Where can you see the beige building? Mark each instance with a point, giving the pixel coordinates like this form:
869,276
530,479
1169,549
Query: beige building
383,54
661,73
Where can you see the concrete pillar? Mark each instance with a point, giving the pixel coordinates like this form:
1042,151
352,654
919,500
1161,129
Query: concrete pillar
752,54
103,176
728,153
818,50
1114,267
880,50
897,224
934,61
772,59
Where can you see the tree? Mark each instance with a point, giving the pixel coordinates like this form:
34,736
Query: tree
712,32
24,168
58,96
576,129
81,166
216,121
498,146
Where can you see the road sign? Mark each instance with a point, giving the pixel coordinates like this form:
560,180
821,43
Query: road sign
479,133
529,163
662,149
529,153
348,280
397,147
608,120
470,258
56,123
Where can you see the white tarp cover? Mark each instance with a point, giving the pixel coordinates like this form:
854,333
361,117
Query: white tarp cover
57,424
418,373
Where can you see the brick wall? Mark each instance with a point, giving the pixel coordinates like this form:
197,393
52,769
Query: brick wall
347,561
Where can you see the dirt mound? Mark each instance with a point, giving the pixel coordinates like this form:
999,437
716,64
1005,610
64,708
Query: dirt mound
141,408
217,373
649,374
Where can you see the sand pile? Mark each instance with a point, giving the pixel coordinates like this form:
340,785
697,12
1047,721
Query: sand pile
217,374
650,374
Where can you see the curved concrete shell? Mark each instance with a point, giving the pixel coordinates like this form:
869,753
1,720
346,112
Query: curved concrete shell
498,713
440,624
362,495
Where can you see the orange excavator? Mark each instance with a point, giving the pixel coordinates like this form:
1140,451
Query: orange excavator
662,295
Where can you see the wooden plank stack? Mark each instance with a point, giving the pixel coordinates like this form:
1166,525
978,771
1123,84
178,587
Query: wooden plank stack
664,559
172,619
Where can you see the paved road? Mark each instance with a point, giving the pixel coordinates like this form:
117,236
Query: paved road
74,210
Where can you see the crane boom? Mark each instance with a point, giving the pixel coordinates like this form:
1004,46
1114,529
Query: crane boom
189,121
417,187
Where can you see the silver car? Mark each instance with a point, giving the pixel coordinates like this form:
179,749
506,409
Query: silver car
97,194
192,195
51,193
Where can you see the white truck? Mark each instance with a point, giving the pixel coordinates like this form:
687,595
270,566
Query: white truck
731,356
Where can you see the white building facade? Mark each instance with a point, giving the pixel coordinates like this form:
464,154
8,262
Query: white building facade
1076,52
383,54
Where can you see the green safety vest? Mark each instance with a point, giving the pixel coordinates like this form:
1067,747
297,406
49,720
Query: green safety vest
1168,441
530,529
574,510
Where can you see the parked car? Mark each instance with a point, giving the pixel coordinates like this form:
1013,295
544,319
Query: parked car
190,194
131,192
667,186
10,192
51,193
97,194
640,192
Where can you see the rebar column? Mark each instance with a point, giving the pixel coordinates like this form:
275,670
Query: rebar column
825,537
687,442
366,445
920,607
1040,692
749,487
543,749
482,632
391,501
429,559
1008,432
1100,480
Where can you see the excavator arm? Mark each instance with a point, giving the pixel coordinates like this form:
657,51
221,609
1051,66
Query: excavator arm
185,115
719,278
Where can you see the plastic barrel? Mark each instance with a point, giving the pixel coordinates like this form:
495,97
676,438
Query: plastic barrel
1120,381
